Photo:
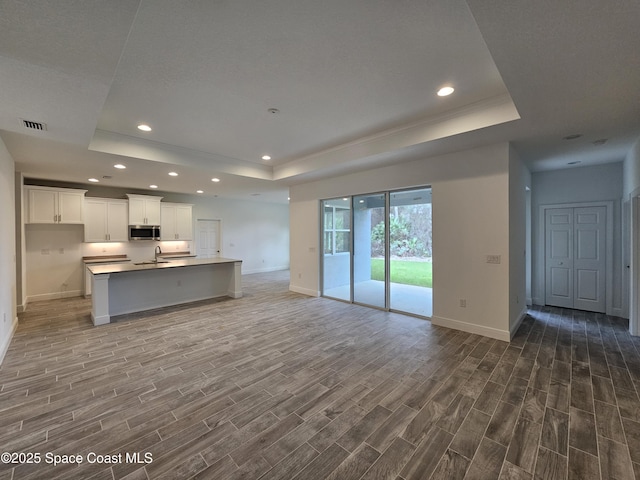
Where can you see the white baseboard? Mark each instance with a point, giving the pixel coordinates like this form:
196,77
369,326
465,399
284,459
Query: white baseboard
304,291
538,301
618,312
7,342
515,326
53,296
490,332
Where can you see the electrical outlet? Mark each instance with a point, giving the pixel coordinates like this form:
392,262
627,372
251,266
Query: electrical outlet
493,259
463,302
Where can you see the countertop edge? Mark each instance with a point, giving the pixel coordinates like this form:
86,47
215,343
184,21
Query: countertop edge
176,263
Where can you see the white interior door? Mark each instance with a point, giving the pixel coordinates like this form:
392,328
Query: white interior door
575,261
208,238
589,258
559,257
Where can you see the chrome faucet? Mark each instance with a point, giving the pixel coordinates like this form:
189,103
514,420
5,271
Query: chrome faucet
157,252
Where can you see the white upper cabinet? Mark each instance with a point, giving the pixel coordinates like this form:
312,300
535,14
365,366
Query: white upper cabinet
106,220
176,221
55,205
144,210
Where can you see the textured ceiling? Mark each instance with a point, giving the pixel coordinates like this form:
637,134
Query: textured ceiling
354,83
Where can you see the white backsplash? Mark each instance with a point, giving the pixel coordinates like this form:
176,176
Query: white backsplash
137,251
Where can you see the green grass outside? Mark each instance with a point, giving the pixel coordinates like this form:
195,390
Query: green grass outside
404,272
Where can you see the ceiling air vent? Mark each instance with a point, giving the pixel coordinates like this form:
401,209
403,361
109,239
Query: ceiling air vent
34,125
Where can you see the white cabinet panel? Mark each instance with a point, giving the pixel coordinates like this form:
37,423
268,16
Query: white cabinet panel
176,221
95,227
184,222
106,220
117,220
144,210
52,205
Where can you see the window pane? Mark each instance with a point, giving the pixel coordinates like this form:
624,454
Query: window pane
336,271
328,243
342,219
328,218
342,242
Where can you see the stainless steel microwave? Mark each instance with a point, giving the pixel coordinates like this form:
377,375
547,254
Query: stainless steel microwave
144,232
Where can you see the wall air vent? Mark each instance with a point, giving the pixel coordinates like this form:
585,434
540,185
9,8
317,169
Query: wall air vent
34,125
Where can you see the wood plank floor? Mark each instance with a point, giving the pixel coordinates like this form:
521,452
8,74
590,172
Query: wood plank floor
277,385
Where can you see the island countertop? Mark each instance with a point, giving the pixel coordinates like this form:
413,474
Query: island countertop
173,263
120,289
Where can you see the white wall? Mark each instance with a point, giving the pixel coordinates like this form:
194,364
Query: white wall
519,227
631,170
255,232
631,235
470,221
599,183
8,308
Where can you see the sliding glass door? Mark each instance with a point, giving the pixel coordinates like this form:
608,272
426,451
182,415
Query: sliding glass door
369,250
336,265
377,250
410,250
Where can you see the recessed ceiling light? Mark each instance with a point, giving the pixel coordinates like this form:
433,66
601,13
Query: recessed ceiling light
266,157
199,191
144,127
119,166
345,199
94,180
273,111
288,198
153,186
173,174
572,137
444,91
215,179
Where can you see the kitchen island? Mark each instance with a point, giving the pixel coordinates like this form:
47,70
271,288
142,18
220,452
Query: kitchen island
127,288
